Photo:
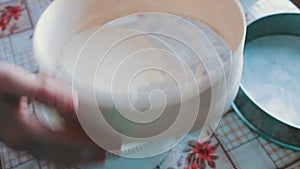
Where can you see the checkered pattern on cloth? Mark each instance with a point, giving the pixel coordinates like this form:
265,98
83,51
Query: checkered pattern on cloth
234,133
238,146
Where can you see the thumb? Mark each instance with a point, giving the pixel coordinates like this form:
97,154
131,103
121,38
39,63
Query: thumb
56,94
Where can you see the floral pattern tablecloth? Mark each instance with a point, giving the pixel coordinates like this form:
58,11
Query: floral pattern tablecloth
233,146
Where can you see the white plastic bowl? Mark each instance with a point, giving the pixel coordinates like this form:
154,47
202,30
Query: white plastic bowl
65,18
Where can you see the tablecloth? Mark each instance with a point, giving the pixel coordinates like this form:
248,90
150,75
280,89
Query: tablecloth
235,146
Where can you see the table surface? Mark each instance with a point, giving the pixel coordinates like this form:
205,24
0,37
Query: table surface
238,146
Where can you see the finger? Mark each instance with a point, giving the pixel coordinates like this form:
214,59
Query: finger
16,81
65,150
69,146
49,91
22,130
57,94
11,130
17,121
8,109
66,153
36,129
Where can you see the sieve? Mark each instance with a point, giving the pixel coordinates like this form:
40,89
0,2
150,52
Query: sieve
268,98
65,18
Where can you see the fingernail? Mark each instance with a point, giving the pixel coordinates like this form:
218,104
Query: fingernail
49,117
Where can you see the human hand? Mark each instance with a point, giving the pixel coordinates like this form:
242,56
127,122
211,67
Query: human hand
21,129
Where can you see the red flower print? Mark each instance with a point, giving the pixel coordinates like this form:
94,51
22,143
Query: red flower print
195,165
9,13
14,11
200,153
4,21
